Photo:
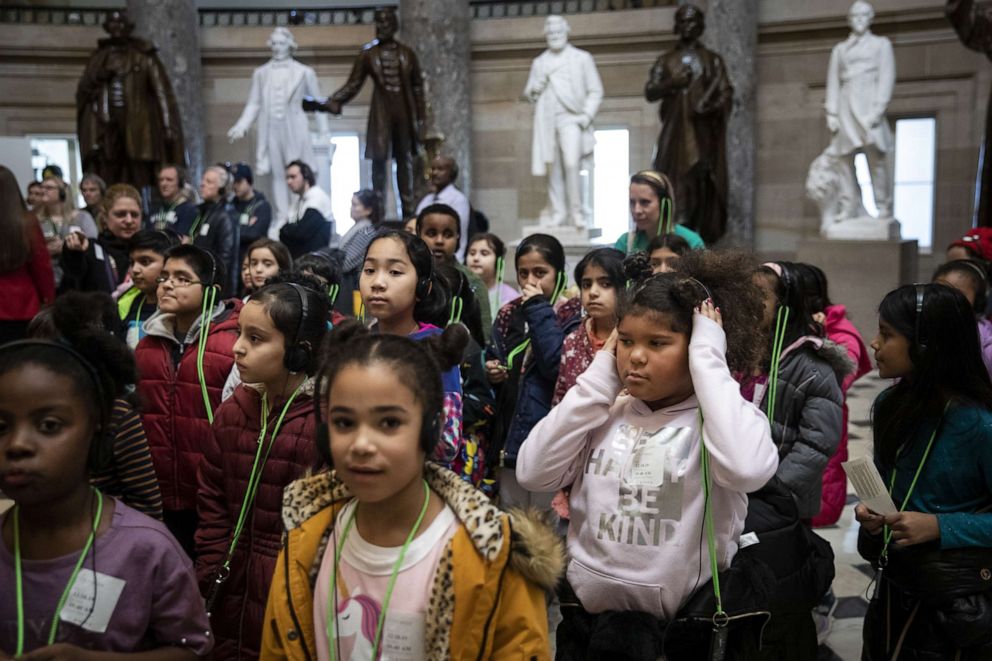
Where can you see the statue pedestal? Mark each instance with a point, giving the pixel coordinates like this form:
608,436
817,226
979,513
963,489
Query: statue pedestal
861,272
865,228
568,235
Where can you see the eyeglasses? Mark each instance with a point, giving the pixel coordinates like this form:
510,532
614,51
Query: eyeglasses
177,280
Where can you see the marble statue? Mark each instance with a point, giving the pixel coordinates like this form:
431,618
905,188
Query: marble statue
860,80
397,113
696,99
566,89
127,117
277,91
973,24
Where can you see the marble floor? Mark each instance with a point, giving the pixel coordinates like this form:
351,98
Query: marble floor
852,573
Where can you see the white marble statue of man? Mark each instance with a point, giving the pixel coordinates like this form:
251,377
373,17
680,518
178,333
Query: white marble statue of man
277,91
860,80
565,87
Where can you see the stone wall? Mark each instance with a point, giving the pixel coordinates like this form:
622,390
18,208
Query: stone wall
39,67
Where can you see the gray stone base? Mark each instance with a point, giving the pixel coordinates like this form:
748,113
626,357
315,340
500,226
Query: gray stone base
861,273
866,228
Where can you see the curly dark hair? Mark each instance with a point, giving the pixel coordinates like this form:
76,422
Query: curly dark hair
724,276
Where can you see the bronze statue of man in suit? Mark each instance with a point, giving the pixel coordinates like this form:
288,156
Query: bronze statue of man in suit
397,112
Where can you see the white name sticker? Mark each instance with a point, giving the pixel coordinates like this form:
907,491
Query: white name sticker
204,230
92,600
98,251
244,219
403,636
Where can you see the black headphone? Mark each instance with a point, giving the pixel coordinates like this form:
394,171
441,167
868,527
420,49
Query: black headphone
213,270
424,285
920,295
99,454
430,433
305,171
297,356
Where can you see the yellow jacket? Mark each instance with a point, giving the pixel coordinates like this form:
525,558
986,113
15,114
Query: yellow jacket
488,595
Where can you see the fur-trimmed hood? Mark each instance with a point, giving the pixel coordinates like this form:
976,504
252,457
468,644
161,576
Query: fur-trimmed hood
536,552
831,352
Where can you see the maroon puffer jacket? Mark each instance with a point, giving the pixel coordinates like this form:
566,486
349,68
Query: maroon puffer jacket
239,609
173,414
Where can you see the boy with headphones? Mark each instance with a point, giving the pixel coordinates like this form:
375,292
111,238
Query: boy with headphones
440,228
184,360
146,252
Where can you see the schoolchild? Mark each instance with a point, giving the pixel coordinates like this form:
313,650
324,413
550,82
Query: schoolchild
664,251
485,257
146,251
262,440
601,281
266,259
389,553
440,228
323,268
630,437
652,212
405,296
969,278
838,329
933,449
84,575
128,473
524,357
183,362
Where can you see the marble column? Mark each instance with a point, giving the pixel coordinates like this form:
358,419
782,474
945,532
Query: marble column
438,30
732,31
173,26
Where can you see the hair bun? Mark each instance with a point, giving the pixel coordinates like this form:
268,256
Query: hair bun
448,347
637,267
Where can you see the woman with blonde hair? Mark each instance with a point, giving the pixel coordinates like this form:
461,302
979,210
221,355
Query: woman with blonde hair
101,264
26,277
652,210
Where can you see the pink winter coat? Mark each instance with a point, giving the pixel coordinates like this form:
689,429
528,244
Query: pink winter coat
839,329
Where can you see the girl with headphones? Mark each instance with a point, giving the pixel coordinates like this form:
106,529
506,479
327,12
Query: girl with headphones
405,296
83,573
390,555
262,439
524,356
933,449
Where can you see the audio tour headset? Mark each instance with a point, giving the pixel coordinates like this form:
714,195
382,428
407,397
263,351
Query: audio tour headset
781,323
921,346
210,289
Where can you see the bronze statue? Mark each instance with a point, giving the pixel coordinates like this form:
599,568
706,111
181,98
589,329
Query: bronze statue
396,115
974,27
696,97
126,112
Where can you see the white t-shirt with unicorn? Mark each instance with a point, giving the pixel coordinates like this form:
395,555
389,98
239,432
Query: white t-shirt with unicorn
363,576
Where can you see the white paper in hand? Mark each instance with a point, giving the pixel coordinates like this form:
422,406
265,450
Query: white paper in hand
869,486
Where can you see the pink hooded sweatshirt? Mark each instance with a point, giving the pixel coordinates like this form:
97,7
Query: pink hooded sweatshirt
635,538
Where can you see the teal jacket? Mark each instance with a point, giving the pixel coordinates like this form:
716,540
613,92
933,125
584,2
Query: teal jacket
641,240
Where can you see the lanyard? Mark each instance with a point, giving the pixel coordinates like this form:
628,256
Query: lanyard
331,598
719,619
195,229
781,320
887,536
209,299
72,578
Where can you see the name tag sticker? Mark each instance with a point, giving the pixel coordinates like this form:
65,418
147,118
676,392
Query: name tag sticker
204,230
244,219
92,600
98,251
404,636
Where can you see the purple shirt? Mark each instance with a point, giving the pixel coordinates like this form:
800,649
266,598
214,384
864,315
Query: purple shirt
157,605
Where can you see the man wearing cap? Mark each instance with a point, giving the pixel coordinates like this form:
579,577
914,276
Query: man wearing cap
252,210
976,244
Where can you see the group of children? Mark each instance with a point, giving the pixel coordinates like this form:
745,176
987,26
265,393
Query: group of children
327,486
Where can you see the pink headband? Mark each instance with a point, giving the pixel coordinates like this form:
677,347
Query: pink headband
774,267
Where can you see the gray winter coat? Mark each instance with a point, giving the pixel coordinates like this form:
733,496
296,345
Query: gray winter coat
808,418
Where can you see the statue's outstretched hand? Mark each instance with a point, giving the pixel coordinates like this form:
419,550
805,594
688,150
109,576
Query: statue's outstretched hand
236,132
832,123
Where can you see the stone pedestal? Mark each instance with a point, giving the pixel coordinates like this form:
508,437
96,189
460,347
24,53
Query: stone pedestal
861,273
576,242
173,26
865,228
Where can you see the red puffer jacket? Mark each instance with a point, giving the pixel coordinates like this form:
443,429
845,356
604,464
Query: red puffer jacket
228,457
174,417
